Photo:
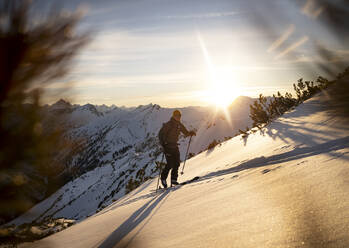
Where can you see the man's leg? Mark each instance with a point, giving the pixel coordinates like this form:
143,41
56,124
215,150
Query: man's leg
167,168
175,165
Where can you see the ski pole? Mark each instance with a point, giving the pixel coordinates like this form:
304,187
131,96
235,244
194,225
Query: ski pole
186,154
162,160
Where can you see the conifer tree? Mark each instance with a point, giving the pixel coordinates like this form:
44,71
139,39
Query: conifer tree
258,113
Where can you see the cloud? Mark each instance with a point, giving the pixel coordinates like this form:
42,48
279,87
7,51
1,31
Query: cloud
125,46
129,53
337,55
134,81
332,56
173,99
201,15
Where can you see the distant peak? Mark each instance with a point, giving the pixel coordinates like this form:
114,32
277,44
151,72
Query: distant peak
88,105
156,106
150,106
62,104
62,101
143,107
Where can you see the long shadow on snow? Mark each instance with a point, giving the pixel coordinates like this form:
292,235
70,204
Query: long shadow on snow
314,137
297,153
328,147
130,199
309,107
287,127
126,199
133,221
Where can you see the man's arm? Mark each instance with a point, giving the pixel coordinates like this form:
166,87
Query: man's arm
185,131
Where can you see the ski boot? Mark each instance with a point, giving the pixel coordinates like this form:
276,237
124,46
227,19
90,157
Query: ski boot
164,183
174,183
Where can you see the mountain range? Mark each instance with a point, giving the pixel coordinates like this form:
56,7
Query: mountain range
119,149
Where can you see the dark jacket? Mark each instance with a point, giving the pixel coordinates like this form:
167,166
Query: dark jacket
169,133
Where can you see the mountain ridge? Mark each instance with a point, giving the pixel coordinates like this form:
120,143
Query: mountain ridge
120,150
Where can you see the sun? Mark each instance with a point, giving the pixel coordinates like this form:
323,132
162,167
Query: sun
220,98
222,87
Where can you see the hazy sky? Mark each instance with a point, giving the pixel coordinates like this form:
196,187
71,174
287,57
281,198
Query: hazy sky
193,52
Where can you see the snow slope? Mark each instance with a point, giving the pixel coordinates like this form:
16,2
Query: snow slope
286,186
121,146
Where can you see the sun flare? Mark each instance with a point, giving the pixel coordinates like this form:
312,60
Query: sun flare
222,87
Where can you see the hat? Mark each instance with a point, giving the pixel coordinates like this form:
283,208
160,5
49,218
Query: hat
176,113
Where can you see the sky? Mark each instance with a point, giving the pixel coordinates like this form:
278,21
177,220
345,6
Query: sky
178,53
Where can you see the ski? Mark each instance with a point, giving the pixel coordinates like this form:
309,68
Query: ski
161,189
187,182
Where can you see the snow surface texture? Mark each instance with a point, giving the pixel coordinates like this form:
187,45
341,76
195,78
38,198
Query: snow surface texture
122,144
286,187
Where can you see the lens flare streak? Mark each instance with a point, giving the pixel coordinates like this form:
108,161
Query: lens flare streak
220,90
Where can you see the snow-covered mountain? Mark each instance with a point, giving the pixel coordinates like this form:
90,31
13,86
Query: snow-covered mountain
285,186
120,150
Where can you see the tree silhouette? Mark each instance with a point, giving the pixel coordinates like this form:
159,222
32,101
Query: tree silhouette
32,54
258,111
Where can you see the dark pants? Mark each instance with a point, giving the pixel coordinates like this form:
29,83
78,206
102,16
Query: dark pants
173,161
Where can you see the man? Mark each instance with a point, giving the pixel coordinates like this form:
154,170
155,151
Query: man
168,136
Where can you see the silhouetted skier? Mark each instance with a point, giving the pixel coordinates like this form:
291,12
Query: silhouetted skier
168,136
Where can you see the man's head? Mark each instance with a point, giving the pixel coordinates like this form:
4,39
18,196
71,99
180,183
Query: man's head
177,115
